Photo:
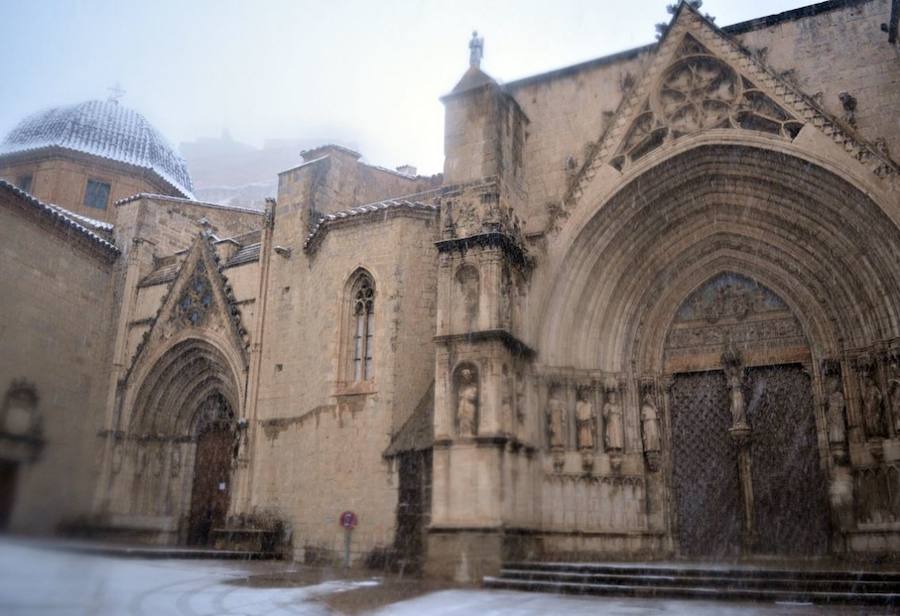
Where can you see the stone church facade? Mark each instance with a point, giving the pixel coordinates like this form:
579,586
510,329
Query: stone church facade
651,309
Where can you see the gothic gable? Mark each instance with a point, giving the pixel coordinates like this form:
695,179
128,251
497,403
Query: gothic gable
699,91
200,301
700,79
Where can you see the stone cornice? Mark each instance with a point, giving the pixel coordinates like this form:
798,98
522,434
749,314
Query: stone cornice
491,239
513,344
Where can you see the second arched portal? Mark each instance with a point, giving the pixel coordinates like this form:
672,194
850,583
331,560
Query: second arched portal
173,468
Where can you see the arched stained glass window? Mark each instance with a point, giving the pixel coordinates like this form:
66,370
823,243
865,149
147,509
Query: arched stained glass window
364,327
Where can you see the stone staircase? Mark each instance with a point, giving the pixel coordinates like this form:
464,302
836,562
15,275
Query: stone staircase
689,581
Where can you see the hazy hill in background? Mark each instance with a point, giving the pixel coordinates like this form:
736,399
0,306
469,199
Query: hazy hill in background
233,173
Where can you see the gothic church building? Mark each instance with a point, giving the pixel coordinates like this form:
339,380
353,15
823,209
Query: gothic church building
651,309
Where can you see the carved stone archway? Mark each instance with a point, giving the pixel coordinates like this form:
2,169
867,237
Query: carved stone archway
822,245
182,438
825,249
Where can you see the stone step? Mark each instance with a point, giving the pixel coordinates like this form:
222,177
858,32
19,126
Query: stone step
707,571
785,582
696,592
701,581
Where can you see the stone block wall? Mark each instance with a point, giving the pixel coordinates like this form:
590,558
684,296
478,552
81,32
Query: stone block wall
55,333
321,438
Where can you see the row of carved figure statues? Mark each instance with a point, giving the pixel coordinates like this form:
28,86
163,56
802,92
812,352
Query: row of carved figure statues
587,422
879,408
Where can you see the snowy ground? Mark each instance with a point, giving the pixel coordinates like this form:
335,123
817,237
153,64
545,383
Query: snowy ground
35,579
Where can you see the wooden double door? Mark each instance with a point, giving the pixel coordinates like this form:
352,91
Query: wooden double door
790,506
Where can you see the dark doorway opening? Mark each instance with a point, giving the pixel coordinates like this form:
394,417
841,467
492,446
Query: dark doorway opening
9,472
212,483
413,509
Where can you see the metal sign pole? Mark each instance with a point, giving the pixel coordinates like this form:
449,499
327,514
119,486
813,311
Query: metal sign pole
348,532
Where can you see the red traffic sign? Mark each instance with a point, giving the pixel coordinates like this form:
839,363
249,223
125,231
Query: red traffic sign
348,519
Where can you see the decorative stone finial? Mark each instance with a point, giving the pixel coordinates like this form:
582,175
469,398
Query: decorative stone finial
476,50
116,91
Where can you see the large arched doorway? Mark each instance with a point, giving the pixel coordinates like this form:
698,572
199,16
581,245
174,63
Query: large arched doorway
765,492
183,442
813,318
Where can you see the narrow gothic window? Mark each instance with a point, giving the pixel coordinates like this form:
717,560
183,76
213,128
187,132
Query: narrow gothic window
364,327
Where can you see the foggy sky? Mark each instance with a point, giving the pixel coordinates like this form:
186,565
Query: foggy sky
367,74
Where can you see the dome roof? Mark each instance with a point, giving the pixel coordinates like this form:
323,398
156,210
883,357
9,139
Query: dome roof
102,128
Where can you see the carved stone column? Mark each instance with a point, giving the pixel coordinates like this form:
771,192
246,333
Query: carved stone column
740,435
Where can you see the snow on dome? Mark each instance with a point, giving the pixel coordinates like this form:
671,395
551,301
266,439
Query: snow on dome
106,129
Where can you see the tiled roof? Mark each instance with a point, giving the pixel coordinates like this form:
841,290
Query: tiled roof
417,433
99,225
218,206
362,210
245,254
105,129
63,217
166,273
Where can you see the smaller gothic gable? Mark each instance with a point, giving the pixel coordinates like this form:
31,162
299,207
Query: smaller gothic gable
199,298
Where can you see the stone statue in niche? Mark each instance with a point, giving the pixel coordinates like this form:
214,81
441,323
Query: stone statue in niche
650,431
506,402
520,397
556,420
585,420
895,406
118,455
837,423
586,427
467,402
614,434
175,468
872,406
894,398
732,363
506,290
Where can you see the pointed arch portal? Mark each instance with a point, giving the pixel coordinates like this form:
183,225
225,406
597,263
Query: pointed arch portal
733,248
183,440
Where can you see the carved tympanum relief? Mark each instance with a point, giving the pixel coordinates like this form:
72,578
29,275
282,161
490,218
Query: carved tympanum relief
700,91
467,401
732,309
